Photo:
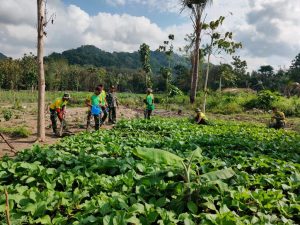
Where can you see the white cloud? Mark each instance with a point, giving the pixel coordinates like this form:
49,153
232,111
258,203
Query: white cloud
268,29
73,27
116,2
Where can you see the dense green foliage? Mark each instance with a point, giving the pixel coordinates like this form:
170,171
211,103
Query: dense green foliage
80,69
154,172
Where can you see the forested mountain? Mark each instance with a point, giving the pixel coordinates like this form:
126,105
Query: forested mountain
2,56
91,55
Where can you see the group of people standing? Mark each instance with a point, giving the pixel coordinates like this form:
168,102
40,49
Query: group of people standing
100,106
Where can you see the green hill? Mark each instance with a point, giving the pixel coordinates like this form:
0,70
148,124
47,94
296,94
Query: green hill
2,56
91,55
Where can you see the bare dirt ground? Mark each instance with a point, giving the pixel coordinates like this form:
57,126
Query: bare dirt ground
75,117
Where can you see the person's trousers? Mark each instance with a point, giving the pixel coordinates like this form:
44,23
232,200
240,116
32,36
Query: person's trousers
278,125
112,114
203,122
147,113
104,114
96,119
53,118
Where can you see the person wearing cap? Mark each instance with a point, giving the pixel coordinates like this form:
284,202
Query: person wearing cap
200,117
103,103
149,101
277,119
113,103
93,102
57,109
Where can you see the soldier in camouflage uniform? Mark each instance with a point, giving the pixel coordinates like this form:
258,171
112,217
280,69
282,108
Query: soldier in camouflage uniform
113,104
278,119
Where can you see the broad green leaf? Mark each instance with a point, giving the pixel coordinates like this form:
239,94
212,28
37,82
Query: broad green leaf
192,207
219,174
196,154
137,207
133,220
152,155
44,220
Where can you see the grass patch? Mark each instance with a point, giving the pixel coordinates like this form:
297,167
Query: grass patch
18,132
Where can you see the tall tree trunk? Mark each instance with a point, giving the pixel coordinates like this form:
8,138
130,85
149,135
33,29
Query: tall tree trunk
40,55
206,81
220,84
207,73
195,72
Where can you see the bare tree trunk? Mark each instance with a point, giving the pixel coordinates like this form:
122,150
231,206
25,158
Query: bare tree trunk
40,55
195,73
220,84
206,81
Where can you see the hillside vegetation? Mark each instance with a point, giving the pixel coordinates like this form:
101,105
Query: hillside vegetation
91,55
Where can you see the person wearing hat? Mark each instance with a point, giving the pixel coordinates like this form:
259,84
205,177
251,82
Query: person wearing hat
113,103
149,101
200,117
278,119
93,102
57,109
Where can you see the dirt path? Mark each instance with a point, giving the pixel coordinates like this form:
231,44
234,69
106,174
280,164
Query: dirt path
76,118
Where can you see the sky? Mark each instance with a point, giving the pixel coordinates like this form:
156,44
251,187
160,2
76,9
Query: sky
269,30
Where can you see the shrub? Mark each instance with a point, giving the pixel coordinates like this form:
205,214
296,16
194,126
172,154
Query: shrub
7,114
174,91
291,106
264,100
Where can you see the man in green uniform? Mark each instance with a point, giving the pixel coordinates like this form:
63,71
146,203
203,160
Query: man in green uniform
200,117
278,119
113,103
149,101
93,102
57,109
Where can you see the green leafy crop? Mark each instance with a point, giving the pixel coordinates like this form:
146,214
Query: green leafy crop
167,171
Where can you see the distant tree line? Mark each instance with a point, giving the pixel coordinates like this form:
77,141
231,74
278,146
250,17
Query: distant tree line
21,74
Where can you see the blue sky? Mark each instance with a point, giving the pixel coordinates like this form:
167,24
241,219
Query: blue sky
162,17
268,30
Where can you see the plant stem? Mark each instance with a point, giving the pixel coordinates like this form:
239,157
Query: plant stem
7,208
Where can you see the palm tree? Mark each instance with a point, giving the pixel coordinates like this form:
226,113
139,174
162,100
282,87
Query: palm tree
197,8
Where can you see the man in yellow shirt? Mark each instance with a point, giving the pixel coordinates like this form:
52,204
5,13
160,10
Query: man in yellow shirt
278,119
200,117
103,103
57,109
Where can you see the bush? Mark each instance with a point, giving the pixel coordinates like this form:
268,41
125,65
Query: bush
174,91
264,100
291,106
7,114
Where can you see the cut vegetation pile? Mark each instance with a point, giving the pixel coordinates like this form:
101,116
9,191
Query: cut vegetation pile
158,172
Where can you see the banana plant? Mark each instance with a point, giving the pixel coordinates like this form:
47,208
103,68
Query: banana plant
158,156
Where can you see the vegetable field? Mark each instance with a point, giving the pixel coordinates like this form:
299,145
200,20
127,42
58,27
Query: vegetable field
166,171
